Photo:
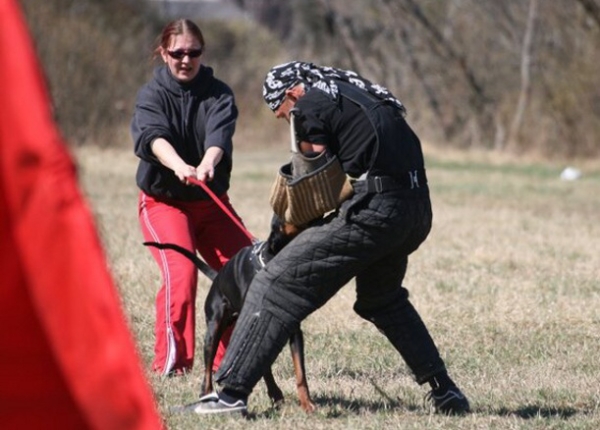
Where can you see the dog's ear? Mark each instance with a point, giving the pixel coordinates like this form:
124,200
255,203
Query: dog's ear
286,228
281,234
276,222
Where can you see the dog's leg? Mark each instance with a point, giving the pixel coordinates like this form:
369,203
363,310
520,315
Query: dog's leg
297,347
210,340
218,315
273,390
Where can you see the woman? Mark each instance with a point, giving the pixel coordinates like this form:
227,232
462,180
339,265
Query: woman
182,129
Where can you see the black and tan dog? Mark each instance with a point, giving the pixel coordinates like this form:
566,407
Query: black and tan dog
226,297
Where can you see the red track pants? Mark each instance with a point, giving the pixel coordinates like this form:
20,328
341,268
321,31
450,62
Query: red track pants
199,225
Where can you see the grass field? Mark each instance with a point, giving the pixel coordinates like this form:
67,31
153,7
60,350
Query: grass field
508,283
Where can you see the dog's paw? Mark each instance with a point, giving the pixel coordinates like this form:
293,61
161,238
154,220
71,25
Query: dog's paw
278,403
308,407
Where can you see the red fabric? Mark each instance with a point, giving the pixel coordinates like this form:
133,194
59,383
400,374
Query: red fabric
198,224
175,324
67,358
225,207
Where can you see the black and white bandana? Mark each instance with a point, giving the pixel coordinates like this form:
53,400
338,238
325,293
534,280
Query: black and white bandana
285,76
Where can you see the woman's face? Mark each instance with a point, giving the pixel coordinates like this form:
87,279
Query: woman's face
182,56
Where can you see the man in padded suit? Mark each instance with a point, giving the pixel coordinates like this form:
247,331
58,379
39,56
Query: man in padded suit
368,238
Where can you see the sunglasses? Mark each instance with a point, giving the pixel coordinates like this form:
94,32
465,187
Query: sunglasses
180,53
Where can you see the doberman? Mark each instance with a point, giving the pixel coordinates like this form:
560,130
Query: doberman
226,297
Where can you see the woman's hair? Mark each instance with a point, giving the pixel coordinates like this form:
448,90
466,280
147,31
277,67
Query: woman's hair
175,28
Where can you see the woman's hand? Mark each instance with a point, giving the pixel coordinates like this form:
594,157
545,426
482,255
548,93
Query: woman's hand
184,172
168,157
206,170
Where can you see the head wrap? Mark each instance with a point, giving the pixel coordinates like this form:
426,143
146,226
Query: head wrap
287,75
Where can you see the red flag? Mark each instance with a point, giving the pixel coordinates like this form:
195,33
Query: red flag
67,357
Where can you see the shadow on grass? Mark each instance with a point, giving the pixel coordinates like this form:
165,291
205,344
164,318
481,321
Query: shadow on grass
334,406
338,406
535,411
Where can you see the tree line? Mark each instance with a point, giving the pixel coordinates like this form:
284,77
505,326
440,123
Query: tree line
512,75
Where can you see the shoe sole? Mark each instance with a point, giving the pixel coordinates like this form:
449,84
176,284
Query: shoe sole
240,410
197,408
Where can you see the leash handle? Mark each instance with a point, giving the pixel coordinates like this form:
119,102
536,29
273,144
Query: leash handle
222,206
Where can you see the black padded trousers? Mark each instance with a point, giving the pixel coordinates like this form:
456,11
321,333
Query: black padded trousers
369,238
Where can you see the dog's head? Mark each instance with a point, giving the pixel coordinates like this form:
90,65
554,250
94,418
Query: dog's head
281,234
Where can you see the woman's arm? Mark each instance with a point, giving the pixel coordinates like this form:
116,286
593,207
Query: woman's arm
168,157
206,170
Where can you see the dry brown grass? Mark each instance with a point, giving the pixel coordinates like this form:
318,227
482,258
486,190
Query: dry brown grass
508,283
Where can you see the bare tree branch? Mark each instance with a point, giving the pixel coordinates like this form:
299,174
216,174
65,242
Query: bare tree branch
525,74
343,27
415,10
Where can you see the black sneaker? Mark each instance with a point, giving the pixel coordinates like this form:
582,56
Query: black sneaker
450,401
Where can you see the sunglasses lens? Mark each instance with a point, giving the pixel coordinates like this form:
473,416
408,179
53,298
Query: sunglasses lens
179,54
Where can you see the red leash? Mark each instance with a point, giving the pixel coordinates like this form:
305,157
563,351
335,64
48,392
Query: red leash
222,206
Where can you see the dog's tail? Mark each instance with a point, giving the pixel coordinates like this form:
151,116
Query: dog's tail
201,265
